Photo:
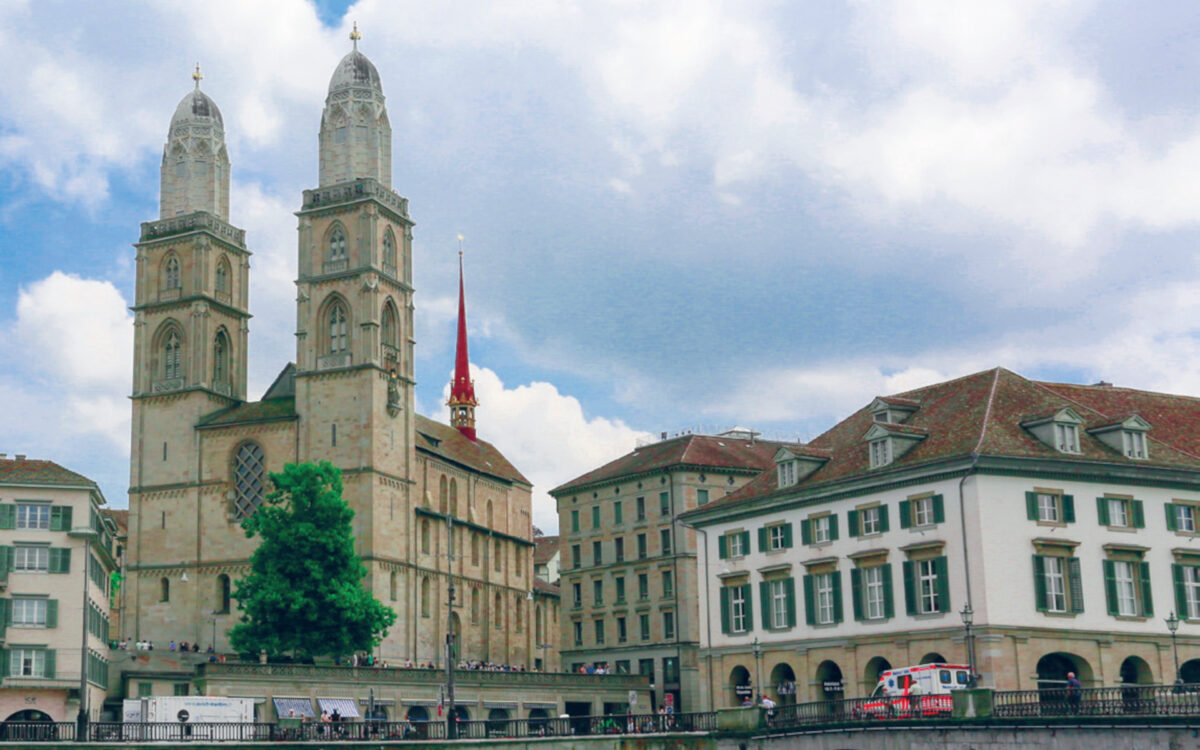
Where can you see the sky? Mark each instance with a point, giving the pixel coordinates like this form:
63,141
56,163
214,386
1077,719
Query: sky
677,215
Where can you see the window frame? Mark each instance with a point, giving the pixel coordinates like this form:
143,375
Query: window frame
24,508
875,516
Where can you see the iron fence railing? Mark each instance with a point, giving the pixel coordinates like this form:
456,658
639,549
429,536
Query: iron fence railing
1125,700
37,731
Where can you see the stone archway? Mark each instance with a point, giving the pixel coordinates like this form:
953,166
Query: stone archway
740,685
933,657
1189,671
783,683
1135,671
29,725
875,666
830,684
1052,670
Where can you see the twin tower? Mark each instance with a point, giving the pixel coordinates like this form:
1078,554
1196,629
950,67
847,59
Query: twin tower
202,452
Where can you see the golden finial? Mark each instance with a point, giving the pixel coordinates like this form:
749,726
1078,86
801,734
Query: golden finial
197,75
355,36
460,241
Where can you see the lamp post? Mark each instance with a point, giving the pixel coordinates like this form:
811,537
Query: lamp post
968,617
757,670
1173,625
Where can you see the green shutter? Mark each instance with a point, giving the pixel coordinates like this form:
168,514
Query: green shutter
60,559
856,593
5,614
889,607
5,565
8,516
942,566
1031,506
1110,586
50,662
1171,518
939,509
787,536
749,605
1102,510
60,518
1139,514
1147,594
722,547
910,587
905,515
764,593
789,588
810,613
762,538
1075,582
746,542
52,613
836,578
833,527
1039,583
806,532
5,662
883,518
1180,591
724,609
1068,508
852,524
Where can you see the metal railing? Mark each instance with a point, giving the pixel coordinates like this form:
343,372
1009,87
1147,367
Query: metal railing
1125,700
37,731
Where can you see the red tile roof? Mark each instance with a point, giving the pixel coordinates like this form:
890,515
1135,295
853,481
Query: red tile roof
545,588
546,548
982,413
448,443
715,452
120,517
32,471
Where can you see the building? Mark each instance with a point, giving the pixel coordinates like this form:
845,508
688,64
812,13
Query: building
1061,518
56,559
546,559
628,570
203,450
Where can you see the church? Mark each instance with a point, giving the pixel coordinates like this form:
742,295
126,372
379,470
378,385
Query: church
437,510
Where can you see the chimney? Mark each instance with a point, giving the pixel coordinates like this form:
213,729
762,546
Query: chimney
19,456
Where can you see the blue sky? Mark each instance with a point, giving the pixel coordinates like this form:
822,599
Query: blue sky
676,213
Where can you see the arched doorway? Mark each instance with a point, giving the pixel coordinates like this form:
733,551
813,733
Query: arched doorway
417,713
875,666
539,720
462,713
1135,671
933,657
29,725
830,682
783,682
1189,671
1052,670
740,686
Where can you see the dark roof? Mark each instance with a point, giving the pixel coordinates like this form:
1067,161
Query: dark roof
717,452
252,411
448,443
545,588
284,384
33,471
546,548
982,413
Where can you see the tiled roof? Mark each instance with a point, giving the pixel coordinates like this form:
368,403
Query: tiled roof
982,413
252,411
545,588
447,442
546,548
718,452
120,517
33,471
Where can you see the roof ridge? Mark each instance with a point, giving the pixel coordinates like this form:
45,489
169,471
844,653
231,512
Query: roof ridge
1110,388
902,394
987,413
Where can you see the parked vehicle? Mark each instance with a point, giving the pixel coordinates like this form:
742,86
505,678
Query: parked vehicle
914,692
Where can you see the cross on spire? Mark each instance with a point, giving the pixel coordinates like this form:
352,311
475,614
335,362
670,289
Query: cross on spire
355,36
197,75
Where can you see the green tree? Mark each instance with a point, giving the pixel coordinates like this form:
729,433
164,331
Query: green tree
304,593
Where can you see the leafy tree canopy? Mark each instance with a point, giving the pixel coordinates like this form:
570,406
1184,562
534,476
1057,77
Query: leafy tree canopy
304,593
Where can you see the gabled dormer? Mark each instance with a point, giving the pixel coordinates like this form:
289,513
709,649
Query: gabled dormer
891,409
888,442
794,464
1126,435
1059,430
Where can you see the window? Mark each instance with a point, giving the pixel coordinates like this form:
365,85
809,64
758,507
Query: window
597,554
389,251
31,559
1056,584
181,688
577,629
734,544
164,589
337,244
497,557
644,627
1127,588
225,594
388,327
172,364
927,586
425,597
668,583
1121,512
337,328
821,529
575,522
1187,590
928,580
620,587
145,689
619,549
670,668
1118,512
595,516
622,634
922,511
33,516
641,508
1047,507
498,611
31,613
425,546
1181,517
171,273
701,497
664,541
222,280
598,592
1134,443
643,586
221,359
736,615
875,589
871,520
824,598
641,544
668,625
881,452
1066,437
575,556
474,549
617,513
778,536
31,662
779,603
787,473
576,594
664,504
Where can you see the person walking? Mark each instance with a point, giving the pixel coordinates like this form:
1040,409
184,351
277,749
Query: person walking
1074,692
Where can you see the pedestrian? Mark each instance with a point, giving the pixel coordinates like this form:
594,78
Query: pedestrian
1074,692
172,646
769,707
915,691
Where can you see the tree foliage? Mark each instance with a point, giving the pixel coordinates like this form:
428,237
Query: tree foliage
304,594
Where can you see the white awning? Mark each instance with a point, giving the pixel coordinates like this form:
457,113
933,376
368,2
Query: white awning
344,706
293,708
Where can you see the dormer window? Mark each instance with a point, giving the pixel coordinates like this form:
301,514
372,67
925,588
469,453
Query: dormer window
881,452
891,409
1058,430
1066,437
1126,436
1135,444
787,473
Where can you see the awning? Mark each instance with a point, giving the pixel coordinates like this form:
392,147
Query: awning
344,706
297,707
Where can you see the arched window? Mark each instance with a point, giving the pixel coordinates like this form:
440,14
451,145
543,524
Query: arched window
164,590
221,359
249,479
517,560
171,273
337,244
389,251
496,557
425,597
474,548
443,491
393,585
453,497
489,515
498,612
337,327
518,613
474,605
425,535
223,593
222,281
537,624
387,326
172,357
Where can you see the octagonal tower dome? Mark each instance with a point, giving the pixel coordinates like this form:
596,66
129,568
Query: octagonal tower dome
195,165
356,137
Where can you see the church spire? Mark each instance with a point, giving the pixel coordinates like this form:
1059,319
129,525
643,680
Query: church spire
462,400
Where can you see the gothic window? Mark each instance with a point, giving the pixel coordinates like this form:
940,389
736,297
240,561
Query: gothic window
389,251
474,605
425,535
249,479
518,614
453,497
442,492
387,326
221,359
337,244
337,328
489,515
474,548
498,612
172,367
425,597
223,593
164,590
171,273
223,273
393,585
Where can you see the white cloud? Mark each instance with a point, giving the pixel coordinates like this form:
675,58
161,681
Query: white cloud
545,434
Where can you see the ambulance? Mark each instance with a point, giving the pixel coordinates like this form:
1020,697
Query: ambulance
895,698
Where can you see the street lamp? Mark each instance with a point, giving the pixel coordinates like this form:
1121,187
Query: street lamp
1173,625
968,617
757,670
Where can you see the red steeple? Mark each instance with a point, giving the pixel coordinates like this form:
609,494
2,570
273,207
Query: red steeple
462,400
